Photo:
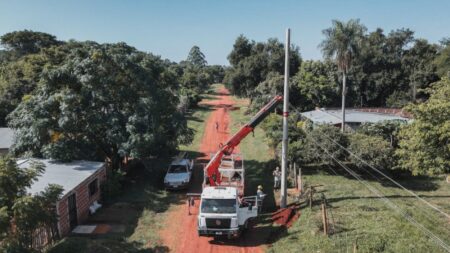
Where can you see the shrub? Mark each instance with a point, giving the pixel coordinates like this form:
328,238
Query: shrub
373,149
113,185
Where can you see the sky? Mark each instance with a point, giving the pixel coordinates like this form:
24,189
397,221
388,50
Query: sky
169,28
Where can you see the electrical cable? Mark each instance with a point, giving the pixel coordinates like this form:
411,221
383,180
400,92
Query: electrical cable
438,240
384,175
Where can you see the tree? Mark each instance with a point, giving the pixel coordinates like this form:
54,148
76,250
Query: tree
196,57
442,61
242,48
19,77
388,130
105,101
27,41
424,144
419,68
342,42
21,214
374,149
316,83
255,62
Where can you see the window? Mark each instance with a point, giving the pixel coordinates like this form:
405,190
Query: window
93,187
218,206
175,169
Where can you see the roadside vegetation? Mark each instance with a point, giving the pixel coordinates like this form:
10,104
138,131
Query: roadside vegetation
142,207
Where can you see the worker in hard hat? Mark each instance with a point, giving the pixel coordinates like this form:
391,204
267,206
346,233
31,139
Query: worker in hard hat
260,197
259,191
276,178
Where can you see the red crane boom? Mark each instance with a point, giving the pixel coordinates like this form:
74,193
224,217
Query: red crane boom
212,168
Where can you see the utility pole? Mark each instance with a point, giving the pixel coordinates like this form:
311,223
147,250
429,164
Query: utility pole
344,93
285,121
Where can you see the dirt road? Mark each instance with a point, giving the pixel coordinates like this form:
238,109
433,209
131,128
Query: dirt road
180,230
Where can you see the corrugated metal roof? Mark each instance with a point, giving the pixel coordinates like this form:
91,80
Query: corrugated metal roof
68,175
323,116
6,137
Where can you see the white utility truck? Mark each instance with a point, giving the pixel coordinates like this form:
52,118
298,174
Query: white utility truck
224,209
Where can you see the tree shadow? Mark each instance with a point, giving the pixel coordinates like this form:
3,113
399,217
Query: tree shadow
142,197
86,245
261,232
199,108
260,173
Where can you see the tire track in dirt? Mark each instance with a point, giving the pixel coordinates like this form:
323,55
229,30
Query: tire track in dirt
180,229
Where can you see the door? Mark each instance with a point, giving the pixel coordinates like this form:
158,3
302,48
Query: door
73,219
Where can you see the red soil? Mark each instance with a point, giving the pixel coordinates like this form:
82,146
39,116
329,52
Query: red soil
180,229
286,216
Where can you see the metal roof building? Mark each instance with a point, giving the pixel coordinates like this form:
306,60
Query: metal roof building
6,139
81,182
68,175
352,116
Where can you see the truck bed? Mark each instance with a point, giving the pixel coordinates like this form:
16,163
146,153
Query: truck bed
232,172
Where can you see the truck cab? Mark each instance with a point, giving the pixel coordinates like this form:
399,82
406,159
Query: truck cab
224,212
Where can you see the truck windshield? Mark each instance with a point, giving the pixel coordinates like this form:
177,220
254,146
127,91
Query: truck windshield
177,169
218,205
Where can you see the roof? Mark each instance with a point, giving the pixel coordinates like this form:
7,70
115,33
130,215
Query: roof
68,175
219,192
324,116
6,137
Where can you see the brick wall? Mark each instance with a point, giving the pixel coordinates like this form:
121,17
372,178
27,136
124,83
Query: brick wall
83,201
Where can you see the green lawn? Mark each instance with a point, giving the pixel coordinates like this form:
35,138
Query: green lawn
360,218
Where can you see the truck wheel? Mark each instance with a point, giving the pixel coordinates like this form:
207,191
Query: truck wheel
245,226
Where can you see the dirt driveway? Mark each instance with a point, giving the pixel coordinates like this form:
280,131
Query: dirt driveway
180,230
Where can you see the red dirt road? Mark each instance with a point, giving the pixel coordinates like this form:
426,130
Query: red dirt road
180,229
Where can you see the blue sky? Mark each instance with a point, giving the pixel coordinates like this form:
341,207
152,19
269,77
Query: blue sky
171,27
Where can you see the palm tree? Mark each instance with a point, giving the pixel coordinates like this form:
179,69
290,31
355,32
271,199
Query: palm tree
342,43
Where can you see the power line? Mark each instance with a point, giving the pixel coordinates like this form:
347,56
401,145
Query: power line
383,174
438,240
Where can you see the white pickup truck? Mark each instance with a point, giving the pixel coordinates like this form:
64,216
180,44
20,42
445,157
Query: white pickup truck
179,173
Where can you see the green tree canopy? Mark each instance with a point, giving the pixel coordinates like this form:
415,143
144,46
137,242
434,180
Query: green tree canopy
252,62
442,61
27,41
424,144
196,57
106,100
317,85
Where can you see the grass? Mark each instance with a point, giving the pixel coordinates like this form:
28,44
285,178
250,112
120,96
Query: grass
360,219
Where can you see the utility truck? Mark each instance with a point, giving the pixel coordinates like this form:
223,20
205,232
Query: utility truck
224,208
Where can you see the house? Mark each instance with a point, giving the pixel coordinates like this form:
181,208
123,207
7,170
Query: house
6,139
81,183
354,117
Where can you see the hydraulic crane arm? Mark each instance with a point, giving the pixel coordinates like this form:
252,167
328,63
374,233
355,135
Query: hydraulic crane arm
212,168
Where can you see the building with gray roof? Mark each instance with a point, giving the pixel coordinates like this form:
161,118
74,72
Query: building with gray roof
353,117
6,139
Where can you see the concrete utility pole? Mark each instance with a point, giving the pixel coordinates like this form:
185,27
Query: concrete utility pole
344,92
285,121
